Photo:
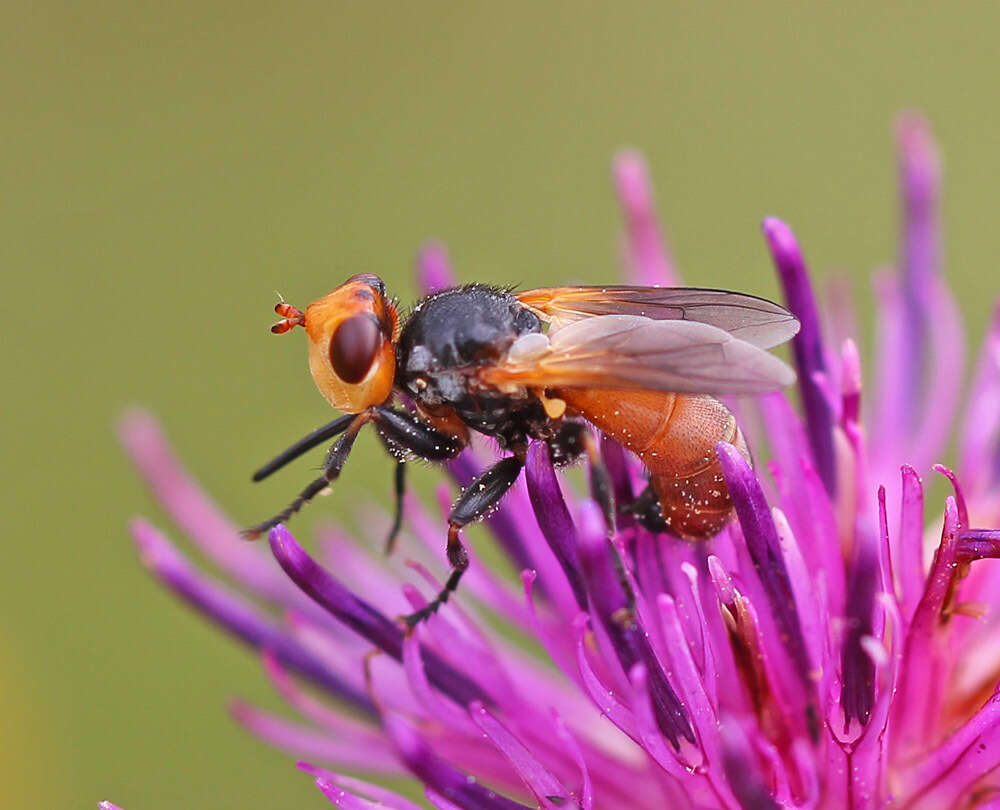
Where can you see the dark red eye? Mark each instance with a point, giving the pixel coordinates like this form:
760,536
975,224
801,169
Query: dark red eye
371,280
354,346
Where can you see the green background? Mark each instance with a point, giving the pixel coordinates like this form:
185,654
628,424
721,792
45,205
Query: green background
167,166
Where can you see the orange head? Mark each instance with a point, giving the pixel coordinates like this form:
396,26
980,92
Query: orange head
352,334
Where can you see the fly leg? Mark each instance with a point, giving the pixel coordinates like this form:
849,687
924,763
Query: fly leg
399,489
600,480
479,497
404,434
304,445
574,439
334,463
646,511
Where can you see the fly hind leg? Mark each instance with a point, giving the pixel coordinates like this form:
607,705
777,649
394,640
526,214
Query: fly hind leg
574,439
646,511
478,498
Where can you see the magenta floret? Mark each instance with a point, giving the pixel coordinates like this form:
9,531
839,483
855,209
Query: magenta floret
833,647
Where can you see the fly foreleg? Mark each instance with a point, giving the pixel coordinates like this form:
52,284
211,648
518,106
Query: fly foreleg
305,444
332,466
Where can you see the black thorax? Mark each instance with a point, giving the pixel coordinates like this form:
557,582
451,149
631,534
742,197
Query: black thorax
448,337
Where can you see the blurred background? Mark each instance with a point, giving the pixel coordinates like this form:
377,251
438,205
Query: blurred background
167,166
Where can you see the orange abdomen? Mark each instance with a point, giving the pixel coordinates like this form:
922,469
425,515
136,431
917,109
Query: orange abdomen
675,436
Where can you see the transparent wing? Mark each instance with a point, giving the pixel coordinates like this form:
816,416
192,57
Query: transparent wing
632,352
754,320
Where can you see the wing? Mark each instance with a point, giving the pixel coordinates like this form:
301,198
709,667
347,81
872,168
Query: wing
632,352
754,320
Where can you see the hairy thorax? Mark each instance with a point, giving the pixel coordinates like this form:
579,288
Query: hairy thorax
449,337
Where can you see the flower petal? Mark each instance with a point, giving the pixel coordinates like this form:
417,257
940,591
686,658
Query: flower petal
553,517
966,757
570,743
438,775
439,801
311,709
549,791
631,642
648,262
234,613
857,668
915,717
194,513
385,798
908,551
302,741
344,800
978,440
931,349
361,617
807,345
434,271
744,777
765,551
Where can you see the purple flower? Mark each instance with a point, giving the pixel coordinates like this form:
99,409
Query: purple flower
829,649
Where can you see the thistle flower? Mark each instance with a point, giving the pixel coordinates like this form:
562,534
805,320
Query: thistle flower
829,649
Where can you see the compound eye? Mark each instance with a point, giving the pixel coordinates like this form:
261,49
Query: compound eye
354,346
371,280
